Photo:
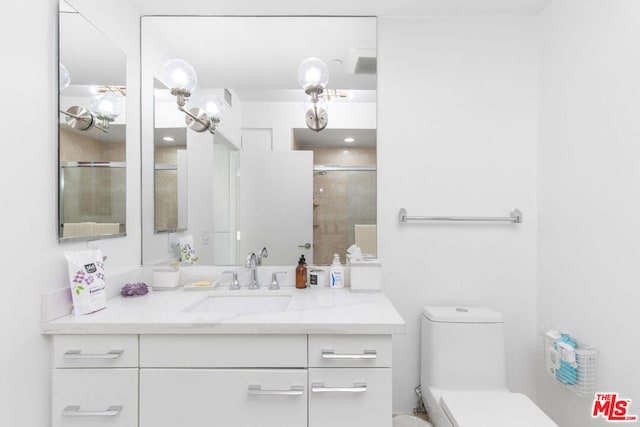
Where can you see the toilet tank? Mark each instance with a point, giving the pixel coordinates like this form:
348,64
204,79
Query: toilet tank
463,349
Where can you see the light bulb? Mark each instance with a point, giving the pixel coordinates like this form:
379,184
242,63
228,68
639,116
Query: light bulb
106,106
65,78
179,74
313,72
213,105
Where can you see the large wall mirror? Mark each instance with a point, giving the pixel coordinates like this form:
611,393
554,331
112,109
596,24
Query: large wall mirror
263,178
92,131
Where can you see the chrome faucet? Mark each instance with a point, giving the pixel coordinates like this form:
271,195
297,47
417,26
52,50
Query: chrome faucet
252,263
262,253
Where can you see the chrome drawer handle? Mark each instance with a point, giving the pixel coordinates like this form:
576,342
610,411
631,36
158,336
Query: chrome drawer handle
367,354
256,390
357,388
74,411
77,354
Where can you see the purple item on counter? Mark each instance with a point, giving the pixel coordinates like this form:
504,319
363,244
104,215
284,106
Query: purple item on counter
134,289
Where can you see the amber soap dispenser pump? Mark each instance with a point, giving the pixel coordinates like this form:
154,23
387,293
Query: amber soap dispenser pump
301,273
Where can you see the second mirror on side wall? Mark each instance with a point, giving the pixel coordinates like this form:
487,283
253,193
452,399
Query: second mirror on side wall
92,131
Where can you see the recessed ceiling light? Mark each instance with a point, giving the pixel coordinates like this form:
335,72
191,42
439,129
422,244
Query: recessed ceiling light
168,139
349,139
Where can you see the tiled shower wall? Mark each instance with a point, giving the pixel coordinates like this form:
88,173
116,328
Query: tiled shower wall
166,189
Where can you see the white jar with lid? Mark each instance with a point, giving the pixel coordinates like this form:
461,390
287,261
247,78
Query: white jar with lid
317,279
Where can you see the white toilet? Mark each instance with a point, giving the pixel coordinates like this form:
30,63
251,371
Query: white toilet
463,375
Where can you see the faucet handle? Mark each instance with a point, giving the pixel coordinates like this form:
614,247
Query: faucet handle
274,280
235,285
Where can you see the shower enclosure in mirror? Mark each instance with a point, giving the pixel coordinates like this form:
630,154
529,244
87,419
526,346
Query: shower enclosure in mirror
344,189
258,180
92,131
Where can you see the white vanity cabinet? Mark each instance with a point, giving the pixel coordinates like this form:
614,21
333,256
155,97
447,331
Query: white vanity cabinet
95,381
239,380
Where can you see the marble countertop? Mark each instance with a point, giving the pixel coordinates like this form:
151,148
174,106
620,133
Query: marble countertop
317,311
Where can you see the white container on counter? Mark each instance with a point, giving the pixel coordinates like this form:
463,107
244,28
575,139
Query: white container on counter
317,279
165,278
336,273
365,275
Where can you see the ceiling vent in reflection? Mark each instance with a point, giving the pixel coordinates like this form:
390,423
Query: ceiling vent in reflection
363,61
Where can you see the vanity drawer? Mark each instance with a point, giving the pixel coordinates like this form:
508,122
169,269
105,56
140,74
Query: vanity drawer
223,351
95,351
223,397
345,397
95,397
344,351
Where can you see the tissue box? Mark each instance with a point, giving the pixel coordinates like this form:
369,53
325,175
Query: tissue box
165,278
365,275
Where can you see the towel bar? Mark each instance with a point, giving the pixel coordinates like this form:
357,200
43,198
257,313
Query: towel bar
515,217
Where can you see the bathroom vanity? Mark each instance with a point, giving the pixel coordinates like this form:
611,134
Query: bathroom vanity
198,358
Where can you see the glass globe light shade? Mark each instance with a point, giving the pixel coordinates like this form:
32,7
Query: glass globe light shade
213,105
313,72
65,78
179,74
107,105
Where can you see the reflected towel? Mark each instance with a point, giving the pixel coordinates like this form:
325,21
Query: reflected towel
366,236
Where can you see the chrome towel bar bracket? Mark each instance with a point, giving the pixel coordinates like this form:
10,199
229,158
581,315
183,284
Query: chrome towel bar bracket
515,218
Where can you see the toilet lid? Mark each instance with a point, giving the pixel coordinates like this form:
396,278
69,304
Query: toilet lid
492,409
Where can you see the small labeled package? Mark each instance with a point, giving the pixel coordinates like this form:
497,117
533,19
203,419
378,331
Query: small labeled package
86,278
187,251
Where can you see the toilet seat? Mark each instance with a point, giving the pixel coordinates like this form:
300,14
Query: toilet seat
492,409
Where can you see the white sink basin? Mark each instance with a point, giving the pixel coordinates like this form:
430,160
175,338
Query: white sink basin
242,304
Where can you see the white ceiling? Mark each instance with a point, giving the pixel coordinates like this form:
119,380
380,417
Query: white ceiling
340,7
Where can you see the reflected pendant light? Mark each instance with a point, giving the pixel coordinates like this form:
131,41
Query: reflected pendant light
313,76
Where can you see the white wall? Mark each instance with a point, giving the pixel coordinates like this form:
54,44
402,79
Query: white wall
32,259
200,177
457,136
589,193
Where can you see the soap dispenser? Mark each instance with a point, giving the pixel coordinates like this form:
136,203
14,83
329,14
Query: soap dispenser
336,273
301,273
